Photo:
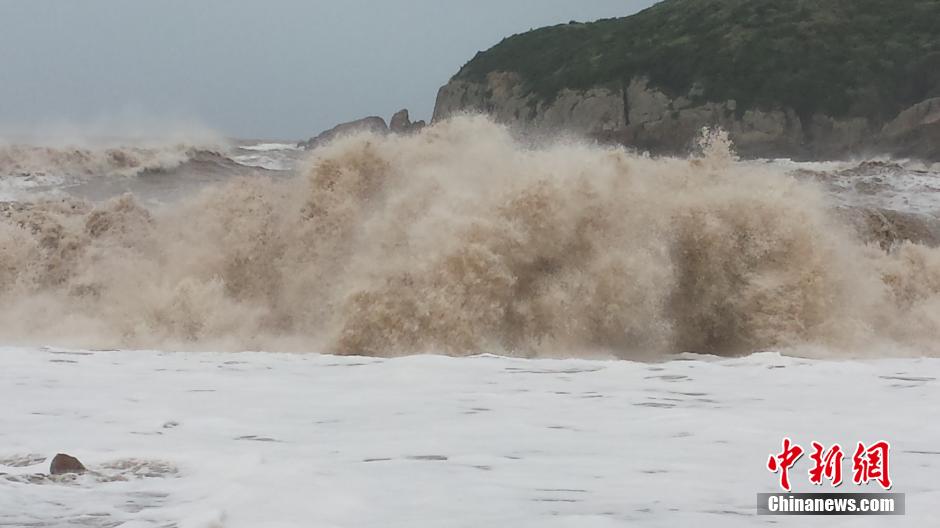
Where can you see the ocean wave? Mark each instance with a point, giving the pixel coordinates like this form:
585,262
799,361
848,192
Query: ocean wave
26,161
268,147
264,162
269,156
153,172
897,185
459,240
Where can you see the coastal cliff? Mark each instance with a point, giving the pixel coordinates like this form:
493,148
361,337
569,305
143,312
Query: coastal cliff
798,79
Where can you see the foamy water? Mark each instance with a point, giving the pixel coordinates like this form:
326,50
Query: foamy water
271,147
459,239
899,185
287,440
270,156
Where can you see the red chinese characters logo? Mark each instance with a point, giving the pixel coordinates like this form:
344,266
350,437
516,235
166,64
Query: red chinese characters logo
784,461
871,464
828,464
868,464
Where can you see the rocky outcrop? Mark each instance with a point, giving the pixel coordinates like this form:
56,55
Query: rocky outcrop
401,123
640,115
924,114
369,124
915,132
504,97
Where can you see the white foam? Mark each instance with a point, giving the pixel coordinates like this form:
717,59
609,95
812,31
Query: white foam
267,147
907,186
264,162
16,188
270,156
254,439
904,191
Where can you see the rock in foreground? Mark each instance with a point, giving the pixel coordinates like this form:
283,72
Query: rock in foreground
63,464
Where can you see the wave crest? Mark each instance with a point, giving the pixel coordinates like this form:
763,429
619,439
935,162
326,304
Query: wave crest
32,160
460,240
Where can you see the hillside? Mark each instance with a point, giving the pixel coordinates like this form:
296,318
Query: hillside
809,60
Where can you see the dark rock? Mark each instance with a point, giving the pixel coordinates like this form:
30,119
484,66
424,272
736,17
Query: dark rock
63,464
915,132
400,123
369,124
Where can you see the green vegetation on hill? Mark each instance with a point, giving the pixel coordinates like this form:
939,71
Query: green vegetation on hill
868,58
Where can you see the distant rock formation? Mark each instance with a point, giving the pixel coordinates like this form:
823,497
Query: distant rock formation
399,124
368,124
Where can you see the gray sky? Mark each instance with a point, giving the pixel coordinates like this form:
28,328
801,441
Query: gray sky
250,68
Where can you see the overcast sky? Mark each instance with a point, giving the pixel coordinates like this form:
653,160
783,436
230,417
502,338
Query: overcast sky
250,68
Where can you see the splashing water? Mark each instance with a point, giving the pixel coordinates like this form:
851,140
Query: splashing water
459,240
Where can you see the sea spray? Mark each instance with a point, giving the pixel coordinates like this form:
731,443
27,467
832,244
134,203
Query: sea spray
459,240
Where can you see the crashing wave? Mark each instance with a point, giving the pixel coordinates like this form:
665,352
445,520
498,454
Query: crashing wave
459,240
